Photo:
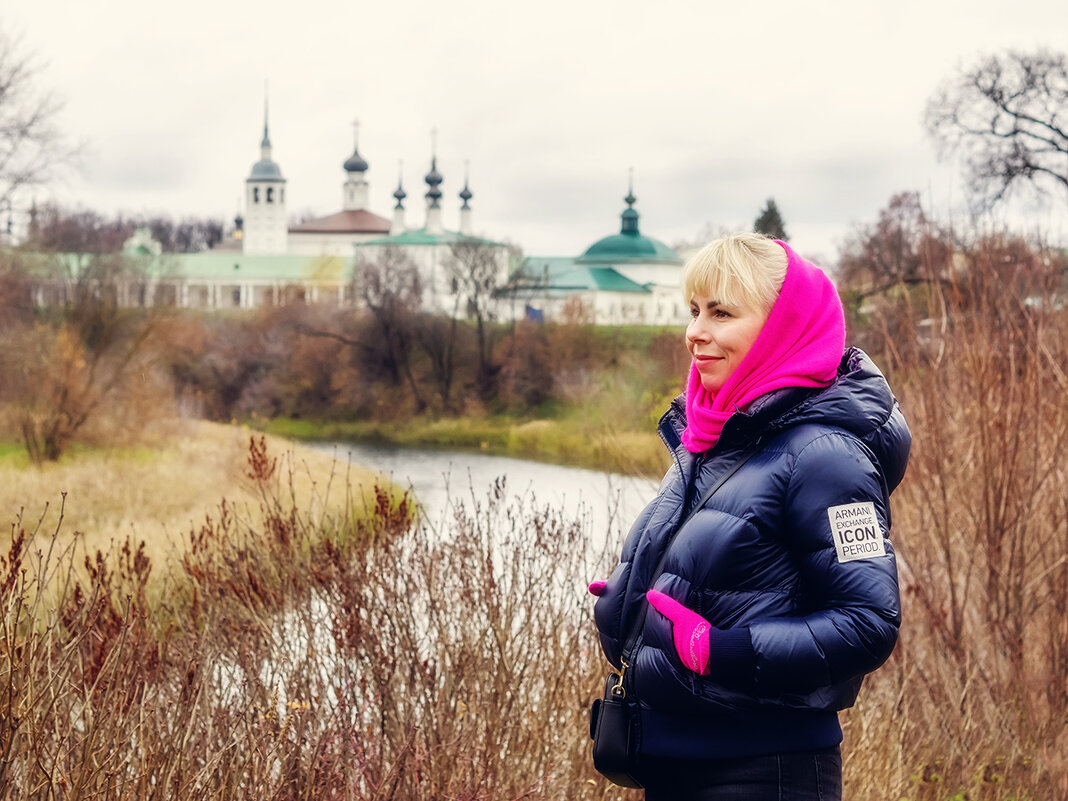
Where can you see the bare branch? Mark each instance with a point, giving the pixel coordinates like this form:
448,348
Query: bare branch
31,146
1005,119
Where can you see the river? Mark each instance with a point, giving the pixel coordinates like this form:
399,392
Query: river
439,478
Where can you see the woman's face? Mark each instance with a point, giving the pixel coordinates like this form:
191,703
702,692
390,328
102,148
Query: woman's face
719,336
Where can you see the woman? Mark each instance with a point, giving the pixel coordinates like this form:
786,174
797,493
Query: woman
778,594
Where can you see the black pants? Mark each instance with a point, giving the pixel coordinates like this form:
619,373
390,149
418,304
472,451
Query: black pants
796,776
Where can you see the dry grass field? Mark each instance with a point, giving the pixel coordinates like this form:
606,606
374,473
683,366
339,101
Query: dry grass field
158,493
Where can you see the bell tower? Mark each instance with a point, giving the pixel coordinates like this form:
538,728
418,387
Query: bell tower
266,225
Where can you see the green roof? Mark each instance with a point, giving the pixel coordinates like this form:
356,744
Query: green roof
421,237
602,279
236,267
629,247
563,274
281,267
543,269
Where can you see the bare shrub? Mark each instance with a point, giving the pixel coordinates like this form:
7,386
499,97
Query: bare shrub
526,368
974,699
302,655
88,367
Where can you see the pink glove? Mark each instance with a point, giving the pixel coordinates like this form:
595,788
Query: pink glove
691,631
597,587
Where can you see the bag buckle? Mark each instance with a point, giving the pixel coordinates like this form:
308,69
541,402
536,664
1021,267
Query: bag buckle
619,691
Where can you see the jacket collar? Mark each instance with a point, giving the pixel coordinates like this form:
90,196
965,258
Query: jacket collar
764,414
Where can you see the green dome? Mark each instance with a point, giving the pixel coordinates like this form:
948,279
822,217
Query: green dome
629,247
629,244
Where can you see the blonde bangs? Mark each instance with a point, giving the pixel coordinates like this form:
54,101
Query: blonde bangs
741,269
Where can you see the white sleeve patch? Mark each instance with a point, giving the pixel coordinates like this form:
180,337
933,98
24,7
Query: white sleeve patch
856,532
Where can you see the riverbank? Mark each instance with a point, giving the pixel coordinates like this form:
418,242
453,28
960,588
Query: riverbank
571,442
160,493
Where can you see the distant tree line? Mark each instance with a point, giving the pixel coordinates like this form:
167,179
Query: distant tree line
55,229
89,368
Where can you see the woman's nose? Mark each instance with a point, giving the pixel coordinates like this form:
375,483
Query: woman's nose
696,332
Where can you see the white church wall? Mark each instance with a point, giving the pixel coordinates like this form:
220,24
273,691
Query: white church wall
645,273
321,244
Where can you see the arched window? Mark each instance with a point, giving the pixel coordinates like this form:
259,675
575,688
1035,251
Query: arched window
255,194
270,194
282,195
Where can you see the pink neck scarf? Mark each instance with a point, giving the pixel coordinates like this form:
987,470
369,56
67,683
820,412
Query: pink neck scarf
800,345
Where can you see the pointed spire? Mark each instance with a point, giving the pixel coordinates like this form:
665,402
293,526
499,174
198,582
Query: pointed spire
630,215
265,168
266,143
400,194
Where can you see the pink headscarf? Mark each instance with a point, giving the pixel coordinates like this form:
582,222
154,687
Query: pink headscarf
800,345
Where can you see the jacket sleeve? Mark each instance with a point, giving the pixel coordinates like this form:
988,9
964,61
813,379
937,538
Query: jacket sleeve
836,523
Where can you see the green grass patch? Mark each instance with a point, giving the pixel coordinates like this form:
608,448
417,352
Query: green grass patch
571,440
13,454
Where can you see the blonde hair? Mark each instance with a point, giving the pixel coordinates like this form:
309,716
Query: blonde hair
737,269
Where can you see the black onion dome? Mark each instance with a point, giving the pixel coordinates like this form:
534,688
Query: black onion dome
433,178
355,163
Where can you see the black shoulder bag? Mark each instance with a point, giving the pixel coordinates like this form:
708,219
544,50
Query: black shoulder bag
615,722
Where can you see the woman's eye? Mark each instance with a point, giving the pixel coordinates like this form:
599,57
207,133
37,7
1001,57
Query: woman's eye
694,312
722,313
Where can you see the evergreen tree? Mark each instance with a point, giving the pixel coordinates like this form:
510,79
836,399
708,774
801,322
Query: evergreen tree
770,222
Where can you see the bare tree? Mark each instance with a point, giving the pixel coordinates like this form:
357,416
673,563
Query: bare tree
66,230
437,336
474,269
60,230
1008,117
390,288
901,248
31,146
88,360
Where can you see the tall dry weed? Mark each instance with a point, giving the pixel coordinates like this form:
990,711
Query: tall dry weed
304,656
975,700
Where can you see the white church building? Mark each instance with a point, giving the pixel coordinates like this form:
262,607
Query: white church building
623,278
324,256
265,230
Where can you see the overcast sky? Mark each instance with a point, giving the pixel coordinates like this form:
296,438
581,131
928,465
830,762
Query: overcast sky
716,106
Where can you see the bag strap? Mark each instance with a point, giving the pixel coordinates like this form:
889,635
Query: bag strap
632,637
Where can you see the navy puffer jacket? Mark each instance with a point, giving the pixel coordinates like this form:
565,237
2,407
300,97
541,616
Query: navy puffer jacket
790,560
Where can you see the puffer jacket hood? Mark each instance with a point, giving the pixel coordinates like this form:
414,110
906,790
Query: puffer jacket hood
759,560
